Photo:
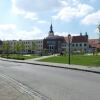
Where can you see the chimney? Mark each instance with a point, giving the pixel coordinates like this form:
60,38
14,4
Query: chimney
80,34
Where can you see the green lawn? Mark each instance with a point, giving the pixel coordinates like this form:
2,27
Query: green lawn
20,57
76,59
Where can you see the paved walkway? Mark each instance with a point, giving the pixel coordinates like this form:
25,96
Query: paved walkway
42,57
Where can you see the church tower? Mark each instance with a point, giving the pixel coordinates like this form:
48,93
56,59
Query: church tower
51,33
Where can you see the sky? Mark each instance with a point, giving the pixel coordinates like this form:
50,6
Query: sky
31,19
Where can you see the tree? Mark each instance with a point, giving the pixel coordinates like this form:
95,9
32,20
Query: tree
18,47
22,47
34,46
99,32
6,48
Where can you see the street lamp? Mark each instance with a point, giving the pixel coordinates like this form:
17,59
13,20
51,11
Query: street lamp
69,40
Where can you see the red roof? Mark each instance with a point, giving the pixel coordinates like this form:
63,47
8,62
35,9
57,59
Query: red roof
94,43
66,39
77,39
98,46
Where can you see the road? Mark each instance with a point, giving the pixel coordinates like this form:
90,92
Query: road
54,83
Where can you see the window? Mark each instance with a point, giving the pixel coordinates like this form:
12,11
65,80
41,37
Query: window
80,45
73,45
76,44
85,44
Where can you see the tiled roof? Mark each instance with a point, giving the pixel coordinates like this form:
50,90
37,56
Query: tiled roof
66,39
77,39
94,43
98,46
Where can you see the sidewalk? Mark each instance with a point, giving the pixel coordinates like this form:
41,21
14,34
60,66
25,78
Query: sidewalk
42,57
57,65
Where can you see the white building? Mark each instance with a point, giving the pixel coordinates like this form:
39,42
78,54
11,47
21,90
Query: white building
80,43
27,45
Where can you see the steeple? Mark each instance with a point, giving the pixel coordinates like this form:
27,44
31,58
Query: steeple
51,28
51,33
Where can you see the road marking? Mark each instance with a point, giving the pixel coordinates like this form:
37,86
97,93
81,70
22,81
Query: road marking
24,89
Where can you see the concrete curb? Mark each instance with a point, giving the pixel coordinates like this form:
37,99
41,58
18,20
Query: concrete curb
50,65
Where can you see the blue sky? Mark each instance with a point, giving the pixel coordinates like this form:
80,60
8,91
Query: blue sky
31,19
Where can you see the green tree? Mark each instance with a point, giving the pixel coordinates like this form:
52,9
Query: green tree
34,46
22,47
17,47
6,48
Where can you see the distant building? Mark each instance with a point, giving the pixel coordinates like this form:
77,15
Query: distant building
65,44
53,43
27,44
94,44
80,43
56,44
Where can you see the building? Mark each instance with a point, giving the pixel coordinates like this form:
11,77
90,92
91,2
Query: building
94,45
56,44
80,43
53,43
65,44
27,45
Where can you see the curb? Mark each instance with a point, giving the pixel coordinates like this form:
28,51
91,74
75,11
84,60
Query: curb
70,68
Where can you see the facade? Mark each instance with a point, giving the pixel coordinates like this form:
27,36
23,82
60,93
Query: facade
94,45
65,44
53,43
57,44
27,45
80,43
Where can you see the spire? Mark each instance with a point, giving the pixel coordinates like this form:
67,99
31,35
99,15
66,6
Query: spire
51,33
51,28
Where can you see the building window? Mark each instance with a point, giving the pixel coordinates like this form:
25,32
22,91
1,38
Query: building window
80,45
76,45
85,44
73,45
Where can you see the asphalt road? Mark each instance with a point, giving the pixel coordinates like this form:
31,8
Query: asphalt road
54,83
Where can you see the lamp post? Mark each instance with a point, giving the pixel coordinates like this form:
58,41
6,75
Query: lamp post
69,38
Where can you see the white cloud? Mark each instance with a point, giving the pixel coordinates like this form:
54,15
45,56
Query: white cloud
19,11
93,18
32,16
65,34
6,27
36,5
35,33
65,9
69,12
42,22
96,30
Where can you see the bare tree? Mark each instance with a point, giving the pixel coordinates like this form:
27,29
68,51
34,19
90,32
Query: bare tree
99,32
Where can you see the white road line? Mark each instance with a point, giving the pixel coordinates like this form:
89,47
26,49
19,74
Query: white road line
33,94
